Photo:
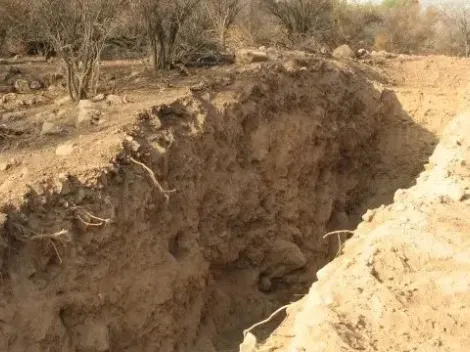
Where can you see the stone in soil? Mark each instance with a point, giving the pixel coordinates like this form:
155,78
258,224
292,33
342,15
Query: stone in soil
65,149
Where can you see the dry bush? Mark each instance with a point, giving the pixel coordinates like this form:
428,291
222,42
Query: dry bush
222,13
454,30
406,29
164,20
197,43
14,21
77,30
256,27
303,16
357,24
128,40
239,36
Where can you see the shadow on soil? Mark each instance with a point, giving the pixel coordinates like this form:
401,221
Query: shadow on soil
404,148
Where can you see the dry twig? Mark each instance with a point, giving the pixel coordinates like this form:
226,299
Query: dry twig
90,223
339,233
56,251
61,236
102,222
106,221
245,332
155,181
91,216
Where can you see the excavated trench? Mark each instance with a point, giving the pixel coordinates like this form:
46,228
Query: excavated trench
112,263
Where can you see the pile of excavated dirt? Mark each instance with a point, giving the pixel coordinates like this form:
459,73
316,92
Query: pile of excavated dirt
403,281
425,94
175,229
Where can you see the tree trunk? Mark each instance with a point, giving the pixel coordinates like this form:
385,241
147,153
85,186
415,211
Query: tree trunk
222,33
163,55
154,54
71,87
159,54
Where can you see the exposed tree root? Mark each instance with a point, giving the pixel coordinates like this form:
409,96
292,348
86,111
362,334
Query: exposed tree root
338,233
154,180
62,237
247,331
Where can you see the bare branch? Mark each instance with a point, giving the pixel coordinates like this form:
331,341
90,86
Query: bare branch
164,19
78,29
301,16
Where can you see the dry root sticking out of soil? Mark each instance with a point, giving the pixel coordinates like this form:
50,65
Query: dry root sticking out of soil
91,217
61,237
338,233
165,193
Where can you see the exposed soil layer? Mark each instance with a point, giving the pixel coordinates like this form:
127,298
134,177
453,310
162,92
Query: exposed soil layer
95,257
402,283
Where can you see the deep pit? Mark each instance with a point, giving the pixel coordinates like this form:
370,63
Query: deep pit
256,176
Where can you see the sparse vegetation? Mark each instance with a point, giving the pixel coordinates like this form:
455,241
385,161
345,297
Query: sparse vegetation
302,16
183,30
163,21
77,30
456,38
223,14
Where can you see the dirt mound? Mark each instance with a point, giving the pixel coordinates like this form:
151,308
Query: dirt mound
432,89
402,281
169,244
424,94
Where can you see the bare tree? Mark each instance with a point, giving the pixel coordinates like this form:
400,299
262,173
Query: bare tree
223,14
301,16
77,30
457,19
407,29
356,24
163,20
